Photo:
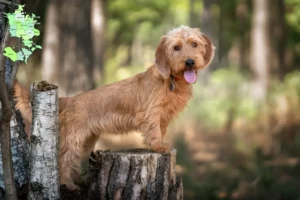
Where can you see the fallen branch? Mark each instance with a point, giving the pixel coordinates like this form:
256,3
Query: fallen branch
6,2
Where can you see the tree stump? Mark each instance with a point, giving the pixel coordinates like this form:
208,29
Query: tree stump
44,140
134,174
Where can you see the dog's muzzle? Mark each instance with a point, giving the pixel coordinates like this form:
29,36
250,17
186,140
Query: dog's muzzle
189,63
190,73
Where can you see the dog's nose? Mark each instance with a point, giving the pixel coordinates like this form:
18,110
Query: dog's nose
189,63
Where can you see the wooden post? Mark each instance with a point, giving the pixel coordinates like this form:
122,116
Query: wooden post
132,174
44,176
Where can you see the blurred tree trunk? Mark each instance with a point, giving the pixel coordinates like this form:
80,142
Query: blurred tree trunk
206,18
260,48
220,31
206,28
278,33
192,13
129,56
242,18
50,69
98,27
281,35
69,42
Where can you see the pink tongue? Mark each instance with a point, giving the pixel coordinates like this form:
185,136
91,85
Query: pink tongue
190,76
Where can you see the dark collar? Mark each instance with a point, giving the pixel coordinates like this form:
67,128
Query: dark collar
176,78
172,82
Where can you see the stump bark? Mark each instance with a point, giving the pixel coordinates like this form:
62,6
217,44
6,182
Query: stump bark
134,174
44,176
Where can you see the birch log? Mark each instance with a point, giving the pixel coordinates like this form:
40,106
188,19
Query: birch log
135,175
44,176
19,148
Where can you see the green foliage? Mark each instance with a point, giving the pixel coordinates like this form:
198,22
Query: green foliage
293,23
134,27
226,92
133,30
289,89
248,171
125,17
292,84
293,16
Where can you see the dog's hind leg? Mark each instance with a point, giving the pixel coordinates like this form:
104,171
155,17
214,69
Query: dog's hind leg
75,146
69,169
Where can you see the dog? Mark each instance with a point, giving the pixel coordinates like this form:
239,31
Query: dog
146,102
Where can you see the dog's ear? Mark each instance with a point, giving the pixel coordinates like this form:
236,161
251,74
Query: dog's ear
209,50
161,60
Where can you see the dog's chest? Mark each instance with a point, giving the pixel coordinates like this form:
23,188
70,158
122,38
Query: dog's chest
173,103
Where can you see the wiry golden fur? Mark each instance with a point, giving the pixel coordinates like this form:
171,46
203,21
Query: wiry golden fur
142,103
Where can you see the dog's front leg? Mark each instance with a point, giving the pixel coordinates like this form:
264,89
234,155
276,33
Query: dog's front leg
163,128
153,135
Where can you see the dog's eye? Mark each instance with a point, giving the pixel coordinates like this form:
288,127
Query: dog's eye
194,44
177,48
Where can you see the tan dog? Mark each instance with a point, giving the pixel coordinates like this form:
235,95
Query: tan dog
145,102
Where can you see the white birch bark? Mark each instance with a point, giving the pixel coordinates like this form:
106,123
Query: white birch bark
20,158
44,174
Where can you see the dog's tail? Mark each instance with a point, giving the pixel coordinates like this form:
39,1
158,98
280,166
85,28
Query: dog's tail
22,99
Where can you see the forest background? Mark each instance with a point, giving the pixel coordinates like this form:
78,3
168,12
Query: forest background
239,137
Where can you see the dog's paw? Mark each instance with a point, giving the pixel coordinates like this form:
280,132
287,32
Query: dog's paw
78,180
72,187
161,148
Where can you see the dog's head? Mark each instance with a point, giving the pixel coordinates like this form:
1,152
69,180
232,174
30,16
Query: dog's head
182,52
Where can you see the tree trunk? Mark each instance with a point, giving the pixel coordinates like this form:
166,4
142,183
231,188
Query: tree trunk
206,28
242,19
7,171
220,32
50,64
6,153
19,142
132,174
279,33
260,48
98,37
19,148
192,17
44,175
206,18
68,42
